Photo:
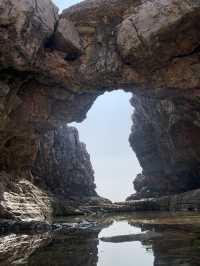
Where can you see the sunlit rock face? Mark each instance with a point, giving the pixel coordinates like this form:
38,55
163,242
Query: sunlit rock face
52,68
21,200
63,165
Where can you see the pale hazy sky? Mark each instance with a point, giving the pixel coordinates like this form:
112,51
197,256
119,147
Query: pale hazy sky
105,132
62,4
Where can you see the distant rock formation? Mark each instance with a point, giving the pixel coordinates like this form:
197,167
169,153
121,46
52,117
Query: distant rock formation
63,165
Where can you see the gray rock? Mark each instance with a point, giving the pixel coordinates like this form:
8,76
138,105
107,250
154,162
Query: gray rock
29,24
133,237
63,165
66,37
145,36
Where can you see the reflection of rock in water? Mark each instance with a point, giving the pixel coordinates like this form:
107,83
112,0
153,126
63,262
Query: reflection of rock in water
45,250
183,250
16,249
65,246
76,250
178,246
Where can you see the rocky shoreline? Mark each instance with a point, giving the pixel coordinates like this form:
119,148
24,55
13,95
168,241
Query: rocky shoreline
185,202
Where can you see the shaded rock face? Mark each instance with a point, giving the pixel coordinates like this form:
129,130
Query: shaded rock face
182,202
63,165
52,68
165,136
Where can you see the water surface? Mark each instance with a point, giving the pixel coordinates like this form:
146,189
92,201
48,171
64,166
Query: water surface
121,254
178,243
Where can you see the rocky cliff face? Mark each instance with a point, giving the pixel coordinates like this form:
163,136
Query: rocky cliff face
165,136
63,165
61,172
52,68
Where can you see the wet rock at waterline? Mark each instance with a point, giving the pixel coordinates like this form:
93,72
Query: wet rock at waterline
130,238
52,68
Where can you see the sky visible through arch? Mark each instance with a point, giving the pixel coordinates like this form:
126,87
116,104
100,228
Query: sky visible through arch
62,4
105,132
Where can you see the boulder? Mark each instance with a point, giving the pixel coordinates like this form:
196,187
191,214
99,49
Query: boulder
25,26
66,37
158,31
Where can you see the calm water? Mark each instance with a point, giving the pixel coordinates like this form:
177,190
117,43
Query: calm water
178,244
121,254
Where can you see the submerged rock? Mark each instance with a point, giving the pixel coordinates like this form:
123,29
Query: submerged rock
130,238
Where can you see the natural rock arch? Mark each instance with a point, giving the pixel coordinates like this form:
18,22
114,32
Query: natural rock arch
52,69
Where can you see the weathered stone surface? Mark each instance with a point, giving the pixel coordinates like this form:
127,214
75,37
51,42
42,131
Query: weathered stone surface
158,31
165,137
188,201
21,200
63,165
24,27
66,37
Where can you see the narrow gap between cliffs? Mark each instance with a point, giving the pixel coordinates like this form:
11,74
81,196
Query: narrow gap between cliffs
105,132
